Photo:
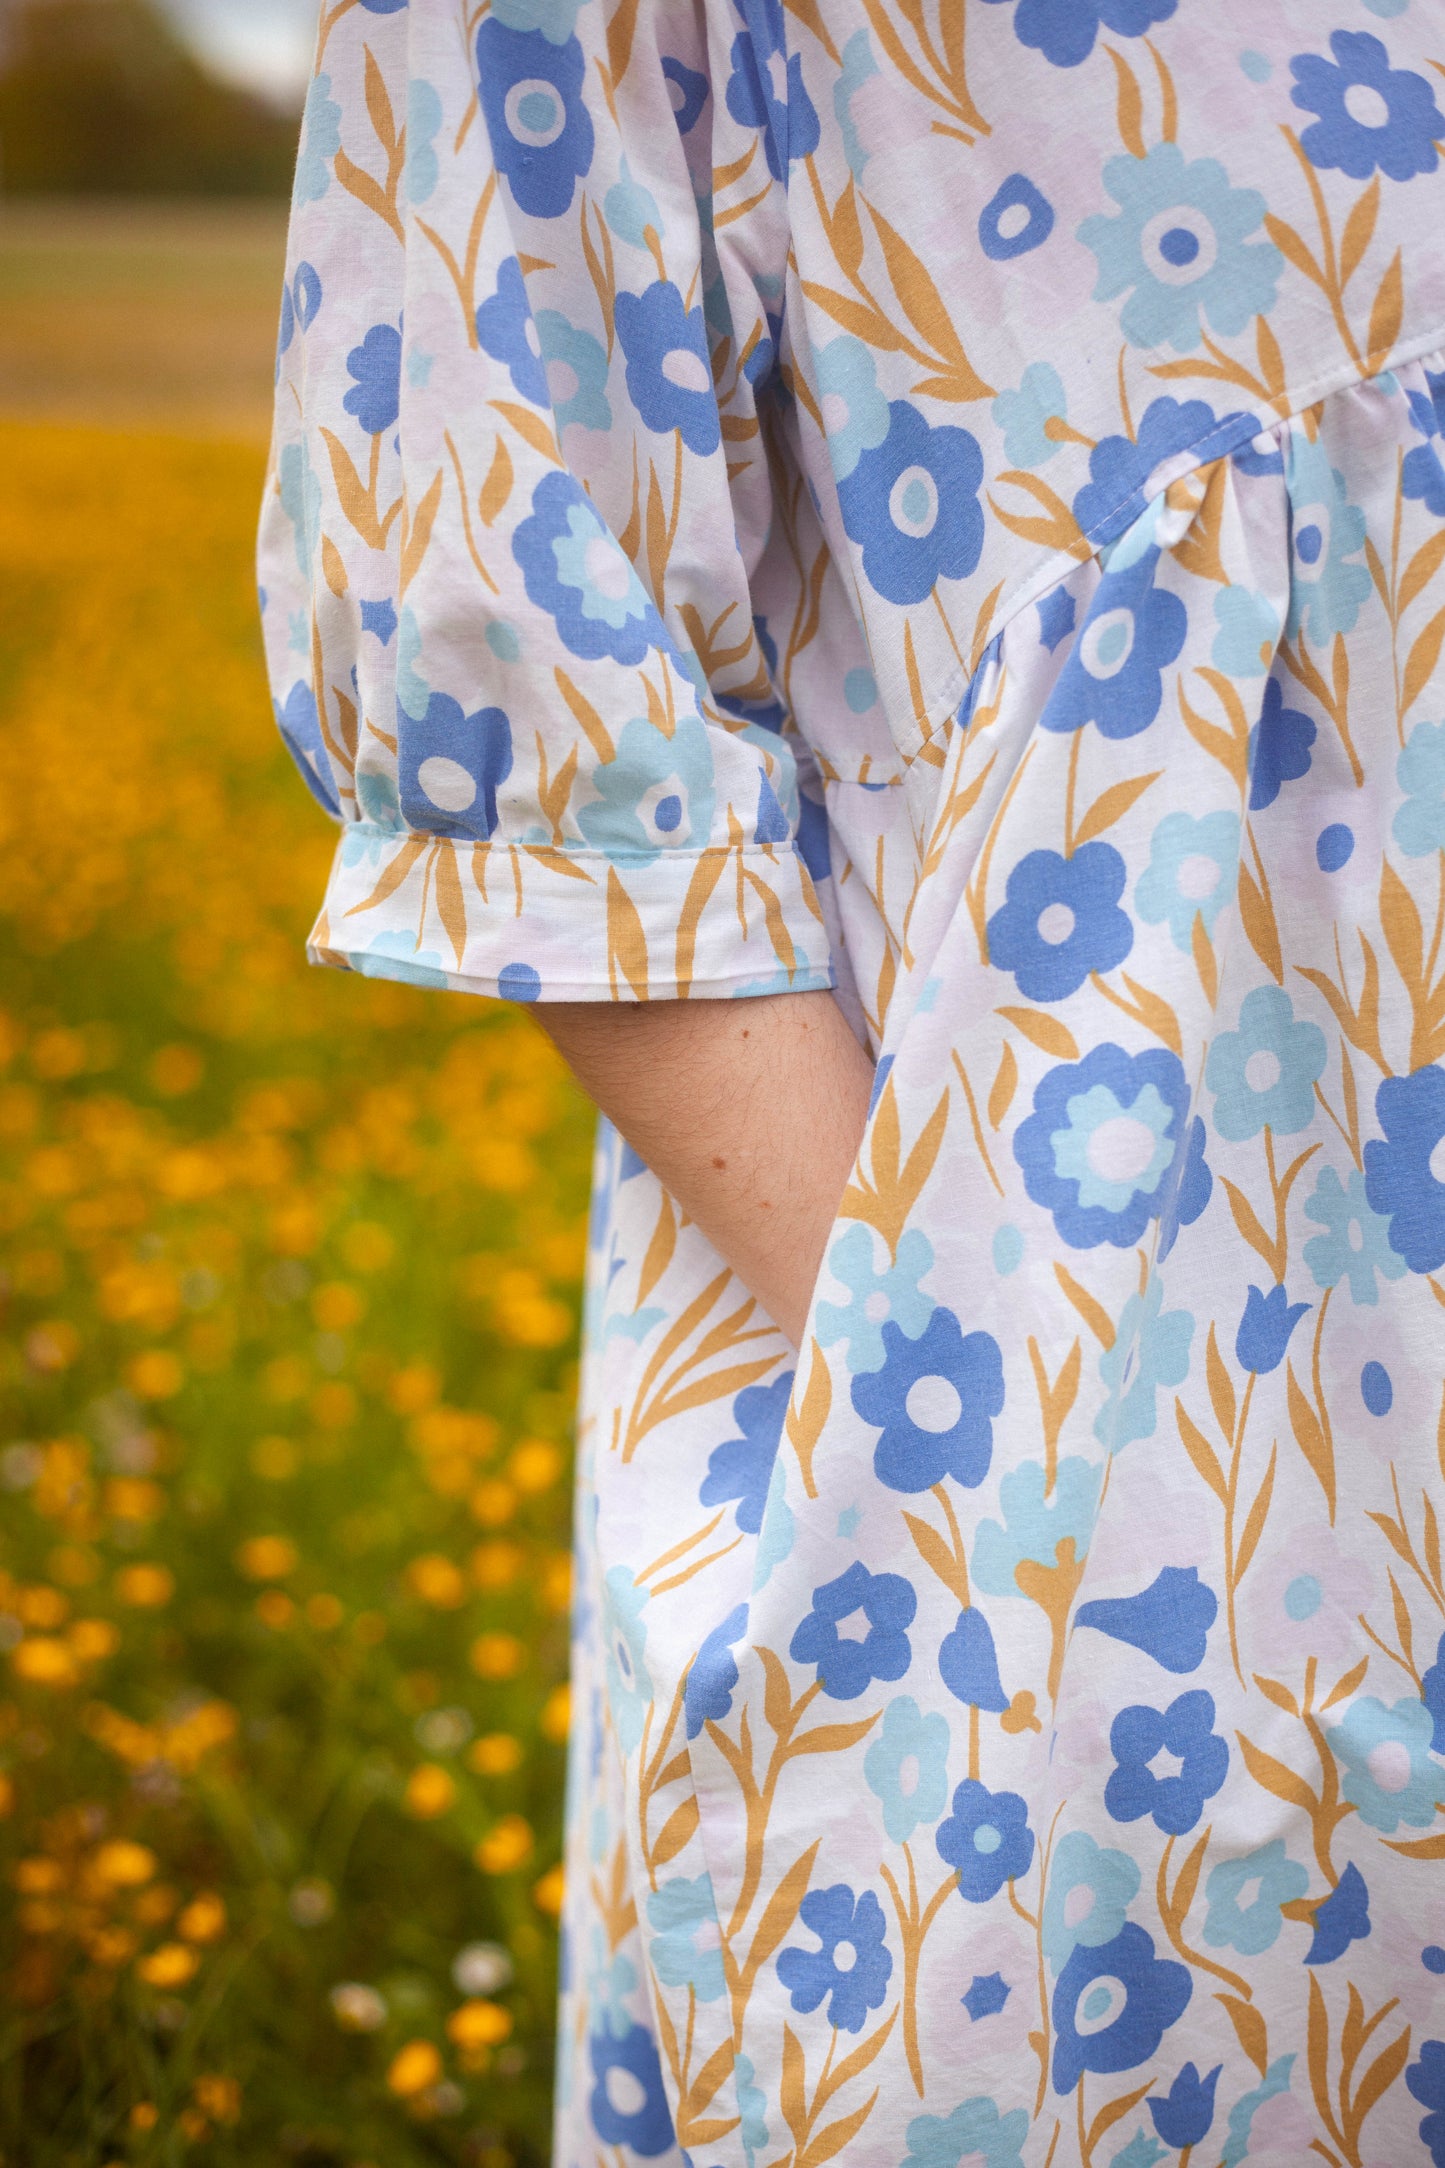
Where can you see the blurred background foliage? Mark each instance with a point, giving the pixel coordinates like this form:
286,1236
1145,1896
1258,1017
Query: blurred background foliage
289,1265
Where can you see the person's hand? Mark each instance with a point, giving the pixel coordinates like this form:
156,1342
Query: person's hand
750,1114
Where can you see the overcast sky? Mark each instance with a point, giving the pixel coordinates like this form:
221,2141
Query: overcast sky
265,44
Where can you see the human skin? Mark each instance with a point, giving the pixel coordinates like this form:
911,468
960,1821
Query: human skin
750,1114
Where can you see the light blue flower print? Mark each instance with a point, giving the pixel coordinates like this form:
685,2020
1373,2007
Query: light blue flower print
875,1296
300,493
1390,1775
556,19
423,124
1357,1244
320,141
775,1537
687,1951
629,1689
906,1767
1091,1887
1193,872
1419,825
1180,241
752,2107
858,67
577,570
630,209
1329,582
397,955
611,1978
377,800
975,2132
1242,2114
1270,1878
1036,1521
854,410
1024,415
1263,1075
1101,1186
1151,1348
1249,630
576,365
656,793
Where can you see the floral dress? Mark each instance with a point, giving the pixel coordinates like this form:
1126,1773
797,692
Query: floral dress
942,499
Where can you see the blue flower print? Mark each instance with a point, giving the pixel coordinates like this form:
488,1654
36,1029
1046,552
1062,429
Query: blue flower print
646,2128
1064,30
1372,117
1024,415
629,1688
1193,872
1091,1888
1185,1730
987,1838
1150,1348
375,370
1272,1878
1263,1075
1180,248
1124,471
911,503
986,1996
968,1664
1425,2082
1249,630
576,366
1356,1246
1192,1192
405,959
655,794
841,1921
1038,1519
846,1666
876,1298
1405,1169
934,1401
855,412
1265,1329
1422,477
669,375
1183,2115
1060,920
1113,2005
1432,1693
300,726
508,333
687,1951
752,2107
742,1468
975,2132
1327,532
906,1767
540,129
1419,824
707,1698
1114,673
1017,219
451,765
1343,1918
789,122
1098,1148
1058,614
1169,1620
1279,748
688,91
576,569
1390,1775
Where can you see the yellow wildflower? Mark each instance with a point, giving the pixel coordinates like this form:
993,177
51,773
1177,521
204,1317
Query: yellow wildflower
156,1375
548,1893
505,1846
497,1656
38,1876
437,1580
93,1639
218,2097
414,2068
430,1790
275,1609
146,1586
496,1565
123,1864
169,1965
203,1919
556,1716
495,1754
44,1661
534,1466
267,1558
336,1307
479,2025
493,1503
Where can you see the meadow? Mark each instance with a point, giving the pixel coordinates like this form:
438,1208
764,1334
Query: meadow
291,1266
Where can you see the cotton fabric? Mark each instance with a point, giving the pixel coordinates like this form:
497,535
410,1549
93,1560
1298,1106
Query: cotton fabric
945,503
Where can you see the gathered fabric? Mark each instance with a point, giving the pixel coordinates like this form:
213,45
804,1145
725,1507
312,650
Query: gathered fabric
944,503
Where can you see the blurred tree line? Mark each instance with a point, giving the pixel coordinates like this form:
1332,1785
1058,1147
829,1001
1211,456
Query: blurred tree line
100,97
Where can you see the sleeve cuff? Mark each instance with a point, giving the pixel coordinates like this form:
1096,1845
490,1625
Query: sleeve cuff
528,922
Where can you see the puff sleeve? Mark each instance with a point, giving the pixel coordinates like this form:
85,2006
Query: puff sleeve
524,482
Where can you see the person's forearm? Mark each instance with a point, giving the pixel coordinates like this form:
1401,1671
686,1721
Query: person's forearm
749,1113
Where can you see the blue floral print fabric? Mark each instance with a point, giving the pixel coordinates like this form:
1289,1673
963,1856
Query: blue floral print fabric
945,503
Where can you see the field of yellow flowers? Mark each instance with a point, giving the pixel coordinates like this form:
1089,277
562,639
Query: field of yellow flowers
291,1266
